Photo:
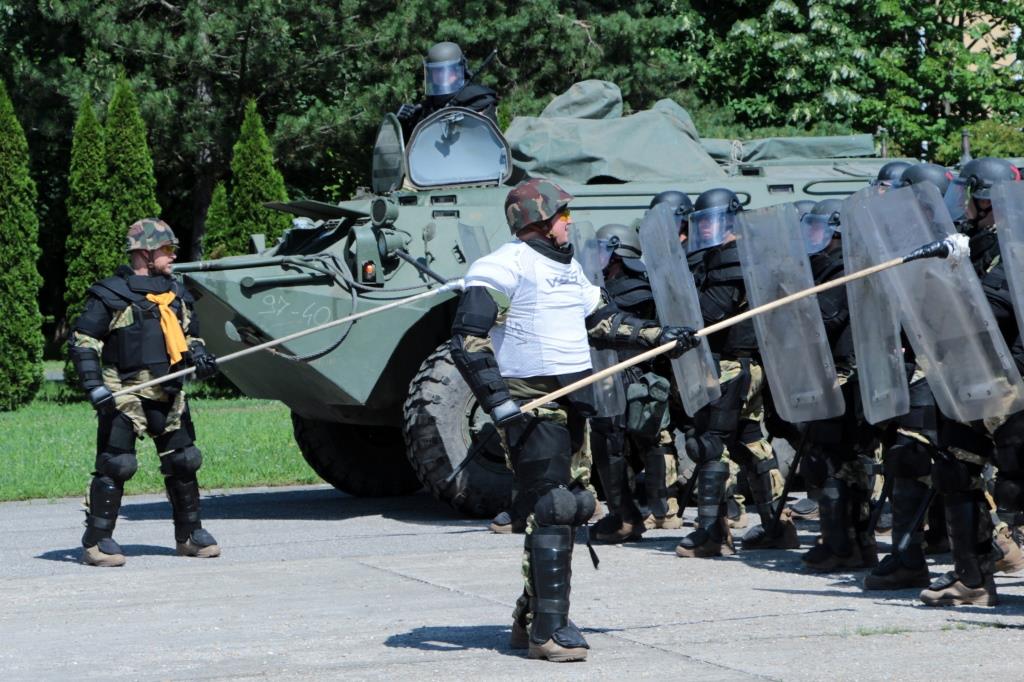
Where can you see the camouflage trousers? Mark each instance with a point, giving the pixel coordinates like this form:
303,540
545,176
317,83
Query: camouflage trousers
753,447
131,404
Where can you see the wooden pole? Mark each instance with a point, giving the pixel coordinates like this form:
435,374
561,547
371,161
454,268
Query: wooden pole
450,286
706,331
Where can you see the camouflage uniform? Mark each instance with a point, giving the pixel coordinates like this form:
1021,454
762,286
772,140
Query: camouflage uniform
135,328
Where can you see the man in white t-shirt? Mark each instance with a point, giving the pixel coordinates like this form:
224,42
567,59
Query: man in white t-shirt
523,328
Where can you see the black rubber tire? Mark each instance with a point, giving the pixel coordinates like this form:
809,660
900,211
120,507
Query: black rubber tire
443,424
365,461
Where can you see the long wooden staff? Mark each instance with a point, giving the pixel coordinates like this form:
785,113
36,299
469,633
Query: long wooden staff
954,247
449,286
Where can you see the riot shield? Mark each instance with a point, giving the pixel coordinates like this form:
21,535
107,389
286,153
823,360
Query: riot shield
797,358
875,323
473,242
942,307
1008,210
675,295
609,393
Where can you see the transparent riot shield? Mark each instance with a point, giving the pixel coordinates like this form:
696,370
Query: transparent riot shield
1008,210
943,309
473,242
609,393
791,339
875,323
675,295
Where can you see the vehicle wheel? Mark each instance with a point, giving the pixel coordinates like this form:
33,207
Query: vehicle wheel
444,425
366,461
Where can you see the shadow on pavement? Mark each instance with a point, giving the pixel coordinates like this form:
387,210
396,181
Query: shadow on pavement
74,555
456,638
315,504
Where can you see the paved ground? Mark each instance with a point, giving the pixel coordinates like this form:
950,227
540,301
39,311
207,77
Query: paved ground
317,585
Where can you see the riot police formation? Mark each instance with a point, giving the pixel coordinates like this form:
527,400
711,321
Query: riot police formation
548,310
447,83
139,325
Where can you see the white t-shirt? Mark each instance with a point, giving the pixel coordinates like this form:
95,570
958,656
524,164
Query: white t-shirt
544,333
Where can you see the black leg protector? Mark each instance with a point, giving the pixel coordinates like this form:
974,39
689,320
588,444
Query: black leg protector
654,481
834,506
551,572
907,497
608,444
179,469
115,464
759,476
970,533
711,481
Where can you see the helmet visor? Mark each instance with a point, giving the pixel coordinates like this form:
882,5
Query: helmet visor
710,227
443,78
817,232
605,249
957,195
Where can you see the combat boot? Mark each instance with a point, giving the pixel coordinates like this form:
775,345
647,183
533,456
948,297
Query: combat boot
520,636
971,580
836,551
949,590
106,553
1011,558
671,520
614,529
783,537
712,536
199,544
735,513
907,569
553,637
806,508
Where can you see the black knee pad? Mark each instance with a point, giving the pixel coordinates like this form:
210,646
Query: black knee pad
183,463
586,505
119,466
749,431
908,458
1009,493
704,448
950,475
556,507
541,454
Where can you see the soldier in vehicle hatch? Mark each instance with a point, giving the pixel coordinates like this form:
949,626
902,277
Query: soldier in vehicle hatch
138,325
446,84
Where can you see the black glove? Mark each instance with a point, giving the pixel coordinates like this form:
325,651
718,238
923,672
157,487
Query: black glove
102,400
408,111
685,338
204,362
506,413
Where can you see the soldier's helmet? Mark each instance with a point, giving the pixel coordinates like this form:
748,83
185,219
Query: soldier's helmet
926,172
981,174
149,234
680,203
534,201
623,241
821,223
889,174
804,206
444,71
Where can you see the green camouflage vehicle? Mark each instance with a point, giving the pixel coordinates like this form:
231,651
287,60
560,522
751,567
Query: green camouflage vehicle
377,405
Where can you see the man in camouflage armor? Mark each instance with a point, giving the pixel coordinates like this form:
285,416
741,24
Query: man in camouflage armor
139,325
521,330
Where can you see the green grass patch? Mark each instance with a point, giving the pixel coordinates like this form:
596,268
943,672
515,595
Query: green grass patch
48,449
893,630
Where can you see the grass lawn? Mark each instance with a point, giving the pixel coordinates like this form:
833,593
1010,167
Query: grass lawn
48,448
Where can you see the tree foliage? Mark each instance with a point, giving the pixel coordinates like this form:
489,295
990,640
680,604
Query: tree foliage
254,180
21,367
131,186
218,221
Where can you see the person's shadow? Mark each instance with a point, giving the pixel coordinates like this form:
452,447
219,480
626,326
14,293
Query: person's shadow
74,554
455,638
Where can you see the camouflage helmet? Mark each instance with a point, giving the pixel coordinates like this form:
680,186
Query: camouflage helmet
533,201
149,234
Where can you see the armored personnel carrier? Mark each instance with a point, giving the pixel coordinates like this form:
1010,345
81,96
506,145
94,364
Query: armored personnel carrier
377,405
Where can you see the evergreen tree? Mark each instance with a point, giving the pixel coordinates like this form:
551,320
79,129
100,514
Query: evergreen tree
255,180
218,220
95,245
21,338
131,185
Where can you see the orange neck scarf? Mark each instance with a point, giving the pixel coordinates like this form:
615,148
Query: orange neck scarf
174,337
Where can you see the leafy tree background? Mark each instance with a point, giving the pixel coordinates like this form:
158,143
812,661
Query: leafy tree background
20,321
321,74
